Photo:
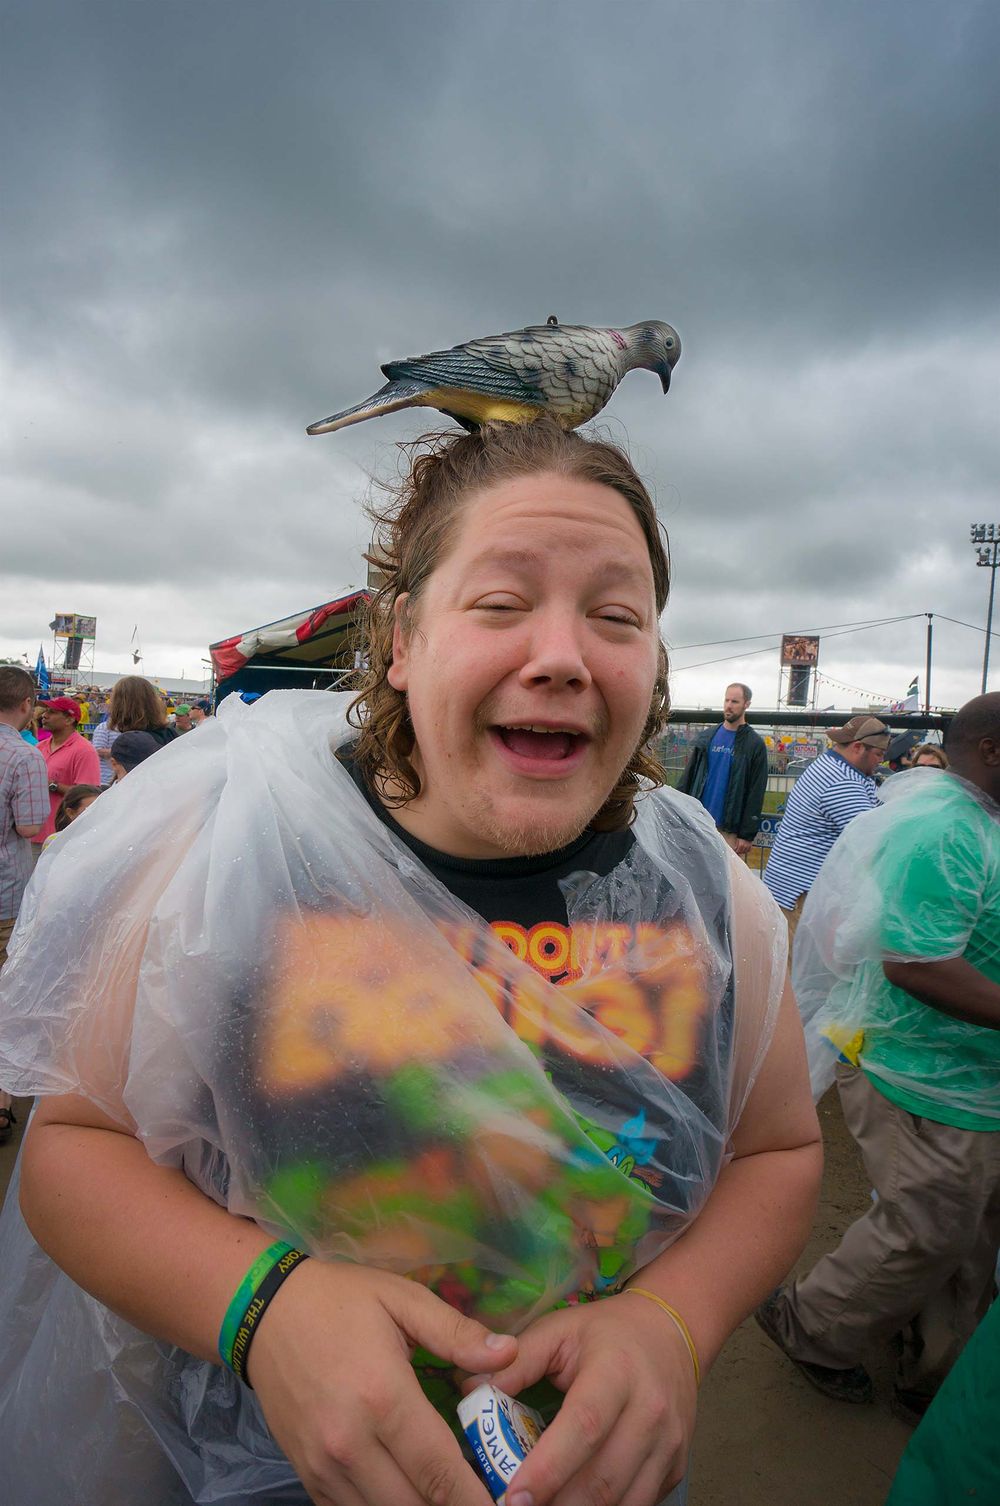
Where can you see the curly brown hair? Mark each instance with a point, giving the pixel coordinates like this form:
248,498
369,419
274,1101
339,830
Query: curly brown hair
135,705
412,534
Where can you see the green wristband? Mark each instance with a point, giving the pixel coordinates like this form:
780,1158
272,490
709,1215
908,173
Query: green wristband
244,1295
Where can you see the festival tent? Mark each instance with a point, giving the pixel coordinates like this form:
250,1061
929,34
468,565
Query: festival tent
309,651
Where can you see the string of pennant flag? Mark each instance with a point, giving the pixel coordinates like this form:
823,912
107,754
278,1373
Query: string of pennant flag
910,701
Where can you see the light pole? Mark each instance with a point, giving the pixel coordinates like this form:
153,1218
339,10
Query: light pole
986,538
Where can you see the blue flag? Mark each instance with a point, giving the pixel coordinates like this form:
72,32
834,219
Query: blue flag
42,674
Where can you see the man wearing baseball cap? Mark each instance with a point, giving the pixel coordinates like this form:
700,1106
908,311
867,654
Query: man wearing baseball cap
70,758
838,786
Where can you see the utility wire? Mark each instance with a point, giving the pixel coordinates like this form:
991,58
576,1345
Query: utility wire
959,623
829,627
770,647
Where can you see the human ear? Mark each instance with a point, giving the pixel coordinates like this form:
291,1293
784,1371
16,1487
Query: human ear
398,673
989,752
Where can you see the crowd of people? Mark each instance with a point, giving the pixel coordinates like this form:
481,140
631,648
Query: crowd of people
57,772
439,1027
920,1093
50,773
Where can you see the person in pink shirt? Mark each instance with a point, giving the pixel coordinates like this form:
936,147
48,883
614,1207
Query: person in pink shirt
70,758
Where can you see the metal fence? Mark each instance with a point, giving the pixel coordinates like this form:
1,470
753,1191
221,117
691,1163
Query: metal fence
793,740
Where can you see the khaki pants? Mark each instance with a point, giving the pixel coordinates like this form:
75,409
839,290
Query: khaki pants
920,1262
793,916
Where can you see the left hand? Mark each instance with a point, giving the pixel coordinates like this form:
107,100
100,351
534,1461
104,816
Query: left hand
741,847
624,1430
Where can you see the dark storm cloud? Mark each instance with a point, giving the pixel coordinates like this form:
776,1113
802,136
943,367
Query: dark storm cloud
220,219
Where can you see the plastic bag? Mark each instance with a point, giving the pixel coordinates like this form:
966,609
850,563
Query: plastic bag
272,991
917,880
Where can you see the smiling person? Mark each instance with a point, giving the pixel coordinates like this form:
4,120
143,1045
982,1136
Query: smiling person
451,990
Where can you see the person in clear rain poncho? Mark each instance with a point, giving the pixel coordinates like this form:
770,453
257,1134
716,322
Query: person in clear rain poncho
897,972
443,993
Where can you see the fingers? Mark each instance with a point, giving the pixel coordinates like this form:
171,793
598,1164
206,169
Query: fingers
577,1439
539,1353
653,1481
377,1480
336,1492
446,1333
425,1450
638,1463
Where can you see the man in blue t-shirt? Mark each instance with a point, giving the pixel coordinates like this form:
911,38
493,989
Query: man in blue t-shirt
727,772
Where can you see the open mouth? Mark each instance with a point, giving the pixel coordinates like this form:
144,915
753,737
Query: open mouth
533,748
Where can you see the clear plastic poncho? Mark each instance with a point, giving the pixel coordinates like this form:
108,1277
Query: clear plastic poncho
916,880
235,958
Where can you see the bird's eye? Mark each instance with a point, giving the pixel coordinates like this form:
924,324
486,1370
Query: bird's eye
670,344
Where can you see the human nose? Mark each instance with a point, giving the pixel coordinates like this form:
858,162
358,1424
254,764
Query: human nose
555,653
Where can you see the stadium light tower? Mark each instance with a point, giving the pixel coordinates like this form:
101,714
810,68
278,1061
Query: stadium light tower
986,538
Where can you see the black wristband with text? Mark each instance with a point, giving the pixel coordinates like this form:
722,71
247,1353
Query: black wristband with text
256,1308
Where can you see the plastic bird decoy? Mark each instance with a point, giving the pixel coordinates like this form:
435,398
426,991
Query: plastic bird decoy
568,371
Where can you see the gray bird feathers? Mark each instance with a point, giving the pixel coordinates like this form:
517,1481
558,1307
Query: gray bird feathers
568,371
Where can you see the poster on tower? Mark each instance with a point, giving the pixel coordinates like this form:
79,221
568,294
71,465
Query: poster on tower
73,625
798,650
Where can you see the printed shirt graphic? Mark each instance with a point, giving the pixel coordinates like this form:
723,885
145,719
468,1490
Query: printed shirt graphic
648,987
720,765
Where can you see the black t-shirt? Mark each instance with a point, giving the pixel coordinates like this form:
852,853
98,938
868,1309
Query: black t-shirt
665,1013
524,891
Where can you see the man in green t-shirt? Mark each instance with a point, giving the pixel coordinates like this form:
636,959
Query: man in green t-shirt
924,1101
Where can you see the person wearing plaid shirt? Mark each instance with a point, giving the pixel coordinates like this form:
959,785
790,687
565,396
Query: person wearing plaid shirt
24,806
24,795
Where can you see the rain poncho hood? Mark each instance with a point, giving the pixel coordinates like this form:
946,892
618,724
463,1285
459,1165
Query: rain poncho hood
239,962
915,880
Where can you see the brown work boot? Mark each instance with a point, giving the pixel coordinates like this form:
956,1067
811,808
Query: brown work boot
853,1384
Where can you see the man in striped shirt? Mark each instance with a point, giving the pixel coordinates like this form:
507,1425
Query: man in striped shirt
832,791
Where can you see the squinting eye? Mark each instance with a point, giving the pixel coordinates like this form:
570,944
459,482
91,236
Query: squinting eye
625,621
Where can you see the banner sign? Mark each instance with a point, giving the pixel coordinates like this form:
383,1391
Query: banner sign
767,835
73,625
798,650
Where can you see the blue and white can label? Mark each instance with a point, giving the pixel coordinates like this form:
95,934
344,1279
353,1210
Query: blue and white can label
501,1432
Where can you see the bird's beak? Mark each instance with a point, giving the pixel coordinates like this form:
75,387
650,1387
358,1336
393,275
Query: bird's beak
665,378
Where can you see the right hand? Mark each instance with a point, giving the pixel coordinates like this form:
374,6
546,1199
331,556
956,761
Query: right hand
330,1364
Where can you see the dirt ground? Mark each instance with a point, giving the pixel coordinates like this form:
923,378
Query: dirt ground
765,1437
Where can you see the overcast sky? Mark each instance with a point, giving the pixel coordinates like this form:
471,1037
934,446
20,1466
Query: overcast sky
220,216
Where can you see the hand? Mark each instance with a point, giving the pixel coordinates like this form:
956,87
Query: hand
741,847
331,1367
624,1430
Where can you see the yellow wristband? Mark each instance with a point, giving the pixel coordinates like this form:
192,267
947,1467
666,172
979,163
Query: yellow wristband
679,1324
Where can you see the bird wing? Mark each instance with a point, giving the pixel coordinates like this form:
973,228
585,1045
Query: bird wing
571,369
570,363
466,368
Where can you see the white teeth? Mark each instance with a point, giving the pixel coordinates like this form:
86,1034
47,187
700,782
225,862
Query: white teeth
530,727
